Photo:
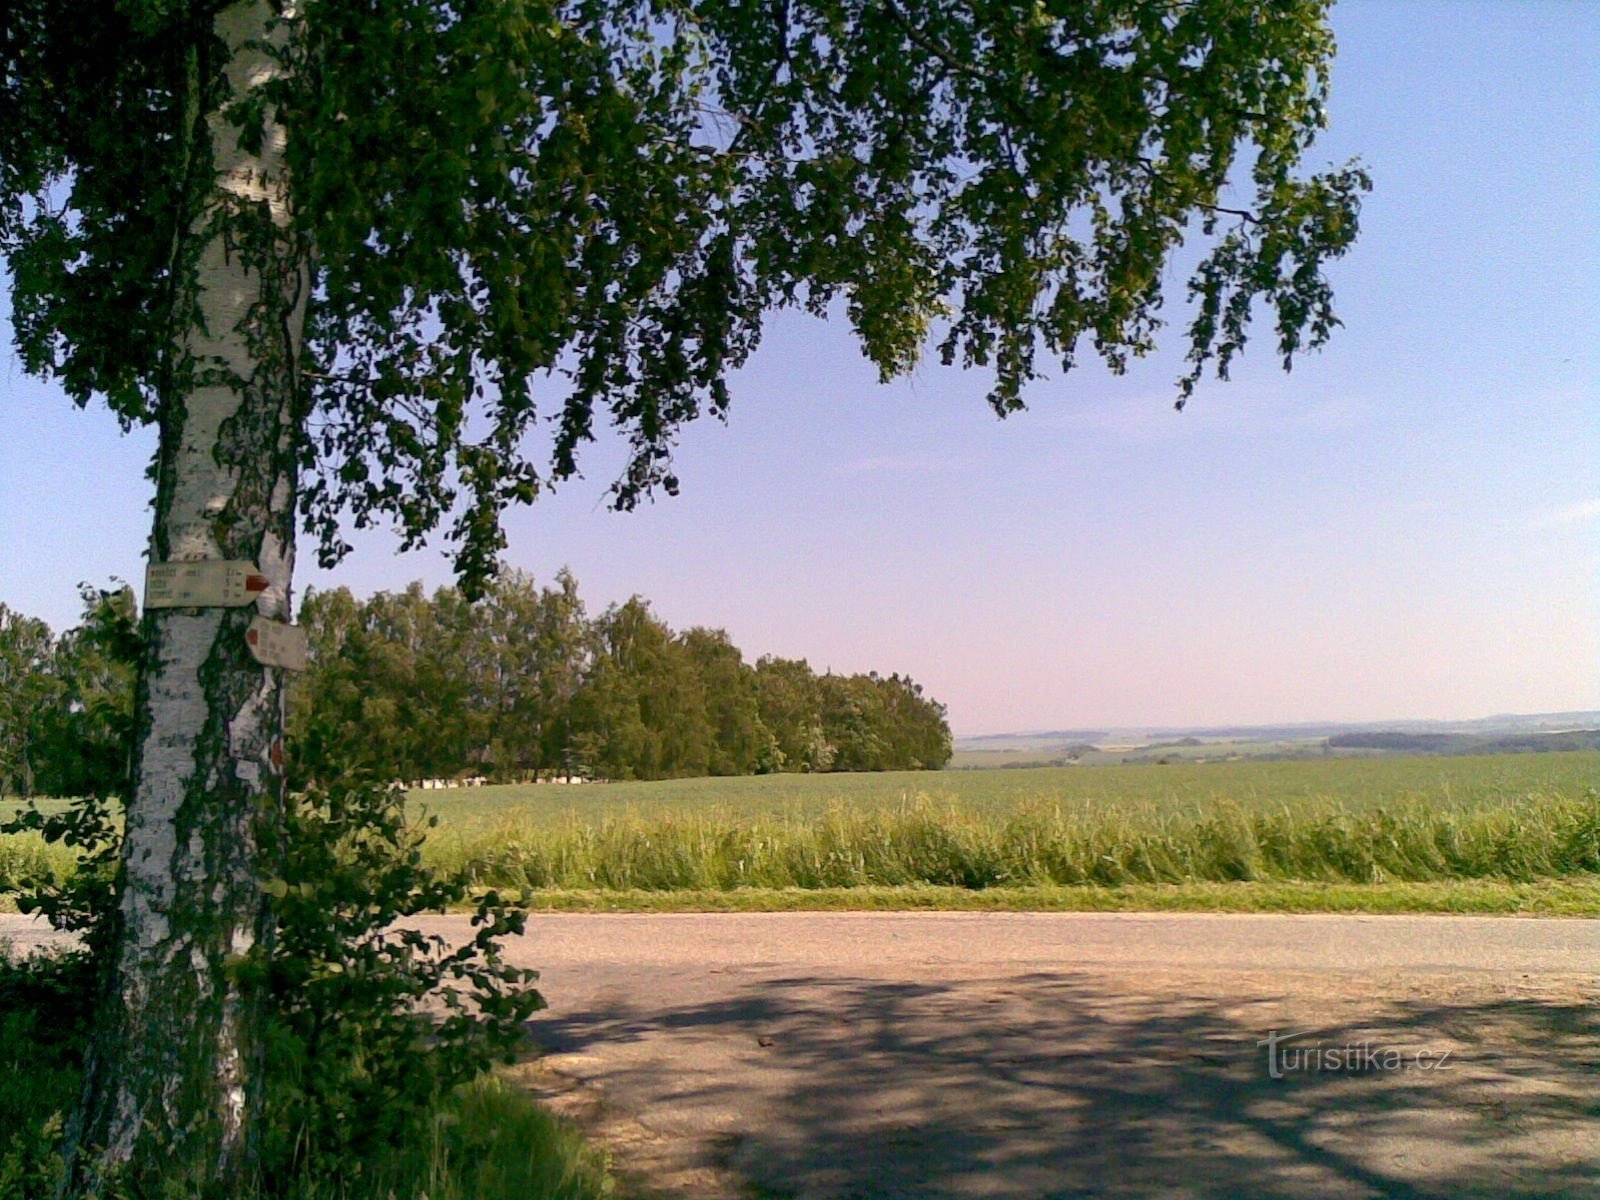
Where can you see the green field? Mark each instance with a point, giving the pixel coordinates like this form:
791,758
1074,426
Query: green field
777,841
1357,834
1461,783
1455,782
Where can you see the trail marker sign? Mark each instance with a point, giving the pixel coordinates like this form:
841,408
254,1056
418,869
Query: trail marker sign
202,583
275,644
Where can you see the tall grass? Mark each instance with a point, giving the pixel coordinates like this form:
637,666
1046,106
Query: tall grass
921,841
27,858
1517,818
487,1142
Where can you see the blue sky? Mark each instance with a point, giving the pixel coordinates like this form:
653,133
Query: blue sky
1406,526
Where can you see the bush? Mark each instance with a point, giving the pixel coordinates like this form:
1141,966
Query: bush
45,1003
370,1030
357,1062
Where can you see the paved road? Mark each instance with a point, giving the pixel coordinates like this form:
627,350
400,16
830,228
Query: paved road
957,1056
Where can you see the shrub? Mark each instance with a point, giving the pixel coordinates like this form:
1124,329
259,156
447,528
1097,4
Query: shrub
370,1028
45,1002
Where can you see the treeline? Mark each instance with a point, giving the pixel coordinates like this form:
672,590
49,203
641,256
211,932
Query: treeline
66,701
519,685
522,684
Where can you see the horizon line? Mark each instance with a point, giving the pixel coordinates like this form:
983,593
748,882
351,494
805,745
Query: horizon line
1201,727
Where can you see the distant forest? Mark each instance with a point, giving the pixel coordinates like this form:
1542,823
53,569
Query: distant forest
519,685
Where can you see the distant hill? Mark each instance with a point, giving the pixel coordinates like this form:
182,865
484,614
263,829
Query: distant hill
1054,735
1462,743
1501,734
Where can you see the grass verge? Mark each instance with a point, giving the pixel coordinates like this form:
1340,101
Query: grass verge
491,1142
1576,897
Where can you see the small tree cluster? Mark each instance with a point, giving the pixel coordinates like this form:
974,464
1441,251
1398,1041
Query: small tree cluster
522,684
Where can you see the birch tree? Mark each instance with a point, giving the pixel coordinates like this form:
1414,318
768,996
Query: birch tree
393,260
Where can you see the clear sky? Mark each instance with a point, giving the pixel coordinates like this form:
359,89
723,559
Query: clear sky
1406,526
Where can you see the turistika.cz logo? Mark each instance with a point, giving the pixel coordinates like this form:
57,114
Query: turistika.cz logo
1350,1058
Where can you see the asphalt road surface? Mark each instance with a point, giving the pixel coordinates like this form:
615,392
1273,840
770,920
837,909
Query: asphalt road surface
1032,1055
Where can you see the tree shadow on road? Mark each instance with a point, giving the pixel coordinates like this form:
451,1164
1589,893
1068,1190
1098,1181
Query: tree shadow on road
1056,1085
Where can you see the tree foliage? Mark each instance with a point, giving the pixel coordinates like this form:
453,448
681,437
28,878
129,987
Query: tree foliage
522,683
528,218
28,688
66,702
519,684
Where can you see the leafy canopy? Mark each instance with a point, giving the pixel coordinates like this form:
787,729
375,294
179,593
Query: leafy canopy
529,216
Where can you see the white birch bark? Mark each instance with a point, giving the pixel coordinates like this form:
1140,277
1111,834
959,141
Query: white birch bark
168,1086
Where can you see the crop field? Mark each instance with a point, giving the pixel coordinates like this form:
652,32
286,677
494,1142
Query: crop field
1459,783
1506,821
1512,818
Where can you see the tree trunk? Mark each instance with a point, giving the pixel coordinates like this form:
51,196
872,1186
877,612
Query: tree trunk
168,1093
